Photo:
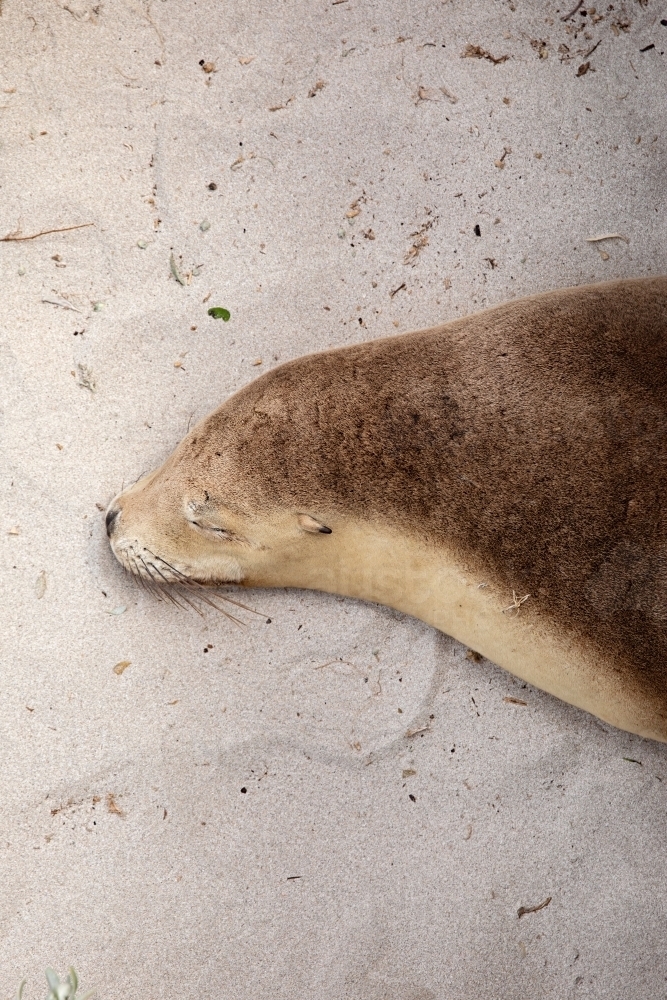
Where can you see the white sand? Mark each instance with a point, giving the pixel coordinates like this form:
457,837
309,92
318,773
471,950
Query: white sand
126,844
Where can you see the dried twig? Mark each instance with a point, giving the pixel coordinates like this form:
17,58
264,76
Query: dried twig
409,733
532,909
63,303
15,236
607,236
572,12
335,663
516,602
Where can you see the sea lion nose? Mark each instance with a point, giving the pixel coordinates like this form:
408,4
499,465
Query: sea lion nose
111,519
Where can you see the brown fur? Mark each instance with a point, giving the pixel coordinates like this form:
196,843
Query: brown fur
530,439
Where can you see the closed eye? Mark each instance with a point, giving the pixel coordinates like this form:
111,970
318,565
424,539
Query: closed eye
221,532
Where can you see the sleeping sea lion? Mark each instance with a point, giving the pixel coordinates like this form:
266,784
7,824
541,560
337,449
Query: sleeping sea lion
503,477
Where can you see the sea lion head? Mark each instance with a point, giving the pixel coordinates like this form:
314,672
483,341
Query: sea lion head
207,517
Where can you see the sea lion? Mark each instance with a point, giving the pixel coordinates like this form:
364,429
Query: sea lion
503,477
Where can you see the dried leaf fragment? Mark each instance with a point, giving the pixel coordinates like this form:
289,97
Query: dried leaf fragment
246,60
121,666
477,52
85,378
174,270
281,107
421,240
320,85
428,94
113,807
540,47
514,701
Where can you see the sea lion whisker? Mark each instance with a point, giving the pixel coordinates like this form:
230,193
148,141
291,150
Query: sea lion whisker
154,585
193,606
163,594
169,566
201,596
157,570
136,572
171,597
164,590
195,584
223,597
139,577
183,581
232,618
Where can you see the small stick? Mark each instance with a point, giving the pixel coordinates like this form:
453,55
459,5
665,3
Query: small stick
14,237
532,909
409,733
591,51
607,236
63,303
572,12
516,602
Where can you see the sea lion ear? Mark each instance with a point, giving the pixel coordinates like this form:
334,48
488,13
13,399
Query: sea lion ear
309,523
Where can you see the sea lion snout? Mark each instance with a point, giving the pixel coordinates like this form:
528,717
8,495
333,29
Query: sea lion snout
111,519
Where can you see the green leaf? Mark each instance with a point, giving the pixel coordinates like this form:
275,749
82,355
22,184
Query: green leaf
53,979
217,312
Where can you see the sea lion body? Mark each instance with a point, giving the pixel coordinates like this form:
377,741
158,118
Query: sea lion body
502,477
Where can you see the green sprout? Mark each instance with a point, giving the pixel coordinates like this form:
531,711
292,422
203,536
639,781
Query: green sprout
59,989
